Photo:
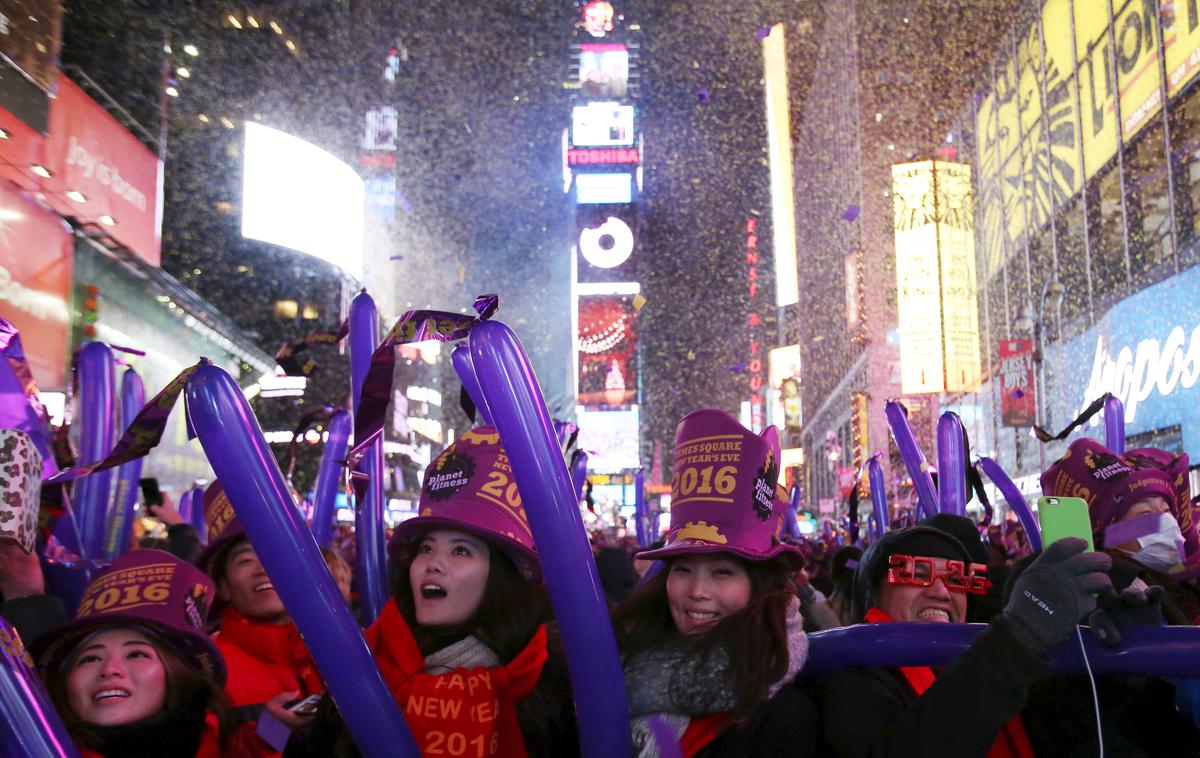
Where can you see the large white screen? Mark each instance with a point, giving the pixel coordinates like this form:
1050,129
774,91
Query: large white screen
609,437
602,125
297,195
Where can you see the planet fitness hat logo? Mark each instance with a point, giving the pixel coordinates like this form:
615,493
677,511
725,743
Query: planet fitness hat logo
454,471
764,488
1103,465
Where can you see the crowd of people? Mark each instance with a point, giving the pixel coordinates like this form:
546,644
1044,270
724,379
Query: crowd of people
184,649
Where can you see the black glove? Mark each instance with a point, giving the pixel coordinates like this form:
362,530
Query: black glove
1133,607
1051,596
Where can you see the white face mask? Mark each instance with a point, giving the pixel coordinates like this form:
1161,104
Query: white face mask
1161,550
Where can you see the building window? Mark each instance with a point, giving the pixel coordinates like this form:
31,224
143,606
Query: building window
286,309
1072,259
1185,146
1147,199
1106,233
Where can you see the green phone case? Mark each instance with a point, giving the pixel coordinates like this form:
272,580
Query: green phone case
1064,517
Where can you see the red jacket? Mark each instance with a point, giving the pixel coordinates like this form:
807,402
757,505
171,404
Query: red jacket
210,741
464,711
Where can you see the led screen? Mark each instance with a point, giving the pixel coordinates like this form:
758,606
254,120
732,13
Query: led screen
296,195
602,125
593,189
608,365
609,437
604,73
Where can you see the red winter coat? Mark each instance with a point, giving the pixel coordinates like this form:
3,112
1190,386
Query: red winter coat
210,741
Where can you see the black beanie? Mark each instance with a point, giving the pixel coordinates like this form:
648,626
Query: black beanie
915,540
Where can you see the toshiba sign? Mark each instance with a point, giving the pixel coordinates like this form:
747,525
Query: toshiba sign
586,157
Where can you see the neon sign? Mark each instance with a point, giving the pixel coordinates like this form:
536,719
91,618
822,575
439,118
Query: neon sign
608,245
754,365
580,157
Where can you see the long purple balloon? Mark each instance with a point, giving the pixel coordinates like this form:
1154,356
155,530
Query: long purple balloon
1166,651
914,459
552,505
641,524
30,726
184,506
791,524
197,519
241,459
370,571
1015,500
879,503
120,522
579,465
952,465
461,358
1114,425
329,476
97,380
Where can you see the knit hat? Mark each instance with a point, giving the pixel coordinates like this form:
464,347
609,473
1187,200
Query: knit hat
1176,469
20,487
470,487
925,541
723,490
1110,483
224,530
152,591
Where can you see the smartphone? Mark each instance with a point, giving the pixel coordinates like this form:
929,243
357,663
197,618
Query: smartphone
1064,517
151,494
305,706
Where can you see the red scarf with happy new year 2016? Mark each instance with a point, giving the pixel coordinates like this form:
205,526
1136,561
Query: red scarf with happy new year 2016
468,712
1011,741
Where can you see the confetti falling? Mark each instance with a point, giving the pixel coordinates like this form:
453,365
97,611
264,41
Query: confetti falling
851,213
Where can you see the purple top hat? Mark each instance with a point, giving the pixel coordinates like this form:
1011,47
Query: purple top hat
723,492
470,486
223,529
151,590
1110,483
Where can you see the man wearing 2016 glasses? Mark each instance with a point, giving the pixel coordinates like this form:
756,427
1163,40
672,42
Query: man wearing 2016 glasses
970,708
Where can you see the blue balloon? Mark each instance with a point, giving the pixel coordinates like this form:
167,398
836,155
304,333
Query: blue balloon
461,358
1114,425
370,541
29,725
330,476
120,522
242,460
552,505
952,465
97,380
914,459
1015,500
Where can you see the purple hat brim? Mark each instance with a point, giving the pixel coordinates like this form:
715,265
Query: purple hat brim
52,648
687,547
525,559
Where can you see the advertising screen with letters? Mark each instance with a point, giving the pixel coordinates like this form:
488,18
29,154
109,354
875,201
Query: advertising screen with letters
608,364
602,125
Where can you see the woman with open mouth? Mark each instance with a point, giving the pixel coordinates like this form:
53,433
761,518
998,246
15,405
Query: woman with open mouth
134,674
463,644
711,642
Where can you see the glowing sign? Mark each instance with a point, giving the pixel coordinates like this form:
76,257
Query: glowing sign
603,72
779,147
603,188
784,373
608,245
602,125
935,277
597,18
617,156
609,437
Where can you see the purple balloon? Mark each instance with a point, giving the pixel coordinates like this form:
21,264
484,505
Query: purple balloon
30,726
242,460
664,738
184,506
120,522
579,465
791,525
952,465
197,519
552,505
461,358
1114,425
1015,500
1166,651
370,571
97,380
914,459
641,524
329,477
879,505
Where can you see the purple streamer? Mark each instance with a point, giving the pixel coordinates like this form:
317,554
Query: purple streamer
20,406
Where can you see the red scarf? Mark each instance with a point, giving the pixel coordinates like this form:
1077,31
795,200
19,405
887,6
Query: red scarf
470,712
1011,741
264,660
210,741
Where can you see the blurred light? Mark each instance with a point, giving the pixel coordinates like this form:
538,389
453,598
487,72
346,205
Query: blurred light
41,171
242,269
76,195
891,146
310,312
197,271
172,92
203,118
233,21
163,298
225,122
252,21
167,49
878,117
276,27
55,404
290,45
108,220
183,72
4,134
191,50
258,117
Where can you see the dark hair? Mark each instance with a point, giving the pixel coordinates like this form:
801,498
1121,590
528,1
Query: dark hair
188,693
511,610
754,638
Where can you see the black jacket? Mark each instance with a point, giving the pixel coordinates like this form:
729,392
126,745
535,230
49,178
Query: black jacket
787,724
874,712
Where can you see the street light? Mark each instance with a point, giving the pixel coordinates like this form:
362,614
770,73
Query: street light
1027,321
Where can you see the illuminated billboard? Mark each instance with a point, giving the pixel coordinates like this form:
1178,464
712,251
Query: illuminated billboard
602,125
603,70
608,365
935,277
606,188
296,195
610,438
784,377
779,152
606,240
